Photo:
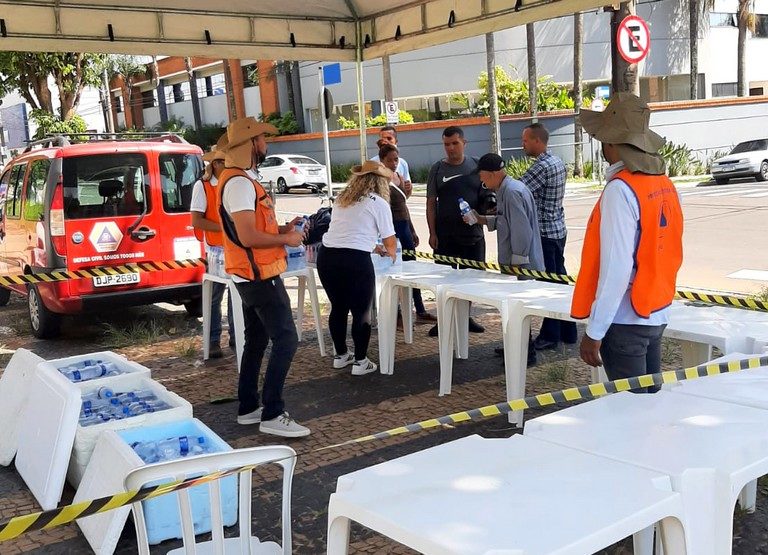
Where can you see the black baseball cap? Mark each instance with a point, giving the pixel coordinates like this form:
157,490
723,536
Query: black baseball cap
491,162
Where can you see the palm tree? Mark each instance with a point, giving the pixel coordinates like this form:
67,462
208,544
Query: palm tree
493,97
745,21
578,63
694,8
532,88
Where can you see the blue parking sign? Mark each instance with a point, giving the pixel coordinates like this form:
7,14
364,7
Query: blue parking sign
331,74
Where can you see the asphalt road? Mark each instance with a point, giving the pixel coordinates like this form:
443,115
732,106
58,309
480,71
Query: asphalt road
725,233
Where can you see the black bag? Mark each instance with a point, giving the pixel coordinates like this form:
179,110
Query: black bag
318,225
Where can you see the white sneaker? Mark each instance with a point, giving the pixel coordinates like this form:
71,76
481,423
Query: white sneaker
250,418
363,367
342,361
284,426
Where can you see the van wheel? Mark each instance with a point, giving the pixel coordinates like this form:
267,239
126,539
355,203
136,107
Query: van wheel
721,180
5,296
282,187
45,324
194,308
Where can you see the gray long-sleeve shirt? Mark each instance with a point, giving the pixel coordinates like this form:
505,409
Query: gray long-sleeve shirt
517,226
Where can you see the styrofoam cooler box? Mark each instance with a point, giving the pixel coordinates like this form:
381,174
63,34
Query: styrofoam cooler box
127,368
14,389
86,436
113,459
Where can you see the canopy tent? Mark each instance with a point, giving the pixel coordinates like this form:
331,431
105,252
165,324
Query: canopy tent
328,30
325,30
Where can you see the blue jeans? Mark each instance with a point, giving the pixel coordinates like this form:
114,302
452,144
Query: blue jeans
268,317
403,232
217,295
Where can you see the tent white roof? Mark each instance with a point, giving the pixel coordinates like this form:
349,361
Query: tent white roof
262,28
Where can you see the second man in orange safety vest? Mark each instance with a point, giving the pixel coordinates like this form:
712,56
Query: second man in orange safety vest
632,246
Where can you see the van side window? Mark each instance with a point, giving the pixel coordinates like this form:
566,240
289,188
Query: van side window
178,173
34,206
14,192
104,185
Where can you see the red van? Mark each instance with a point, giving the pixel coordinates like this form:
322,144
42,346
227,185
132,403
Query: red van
70,206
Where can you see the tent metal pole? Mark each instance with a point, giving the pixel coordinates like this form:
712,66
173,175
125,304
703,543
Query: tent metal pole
361,94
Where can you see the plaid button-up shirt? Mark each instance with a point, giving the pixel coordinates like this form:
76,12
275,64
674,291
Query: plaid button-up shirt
546,180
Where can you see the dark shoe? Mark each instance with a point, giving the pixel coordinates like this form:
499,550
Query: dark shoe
474,327
433,331
400,321
499,351
570,341
541,344
231,342
214,351
426,318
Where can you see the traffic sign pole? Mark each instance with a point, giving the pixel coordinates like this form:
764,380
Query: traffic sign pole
326,139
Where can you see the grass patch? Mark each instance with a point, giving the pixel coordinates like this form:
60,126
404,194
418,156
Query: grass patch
556,372
761,295
188,348
138,332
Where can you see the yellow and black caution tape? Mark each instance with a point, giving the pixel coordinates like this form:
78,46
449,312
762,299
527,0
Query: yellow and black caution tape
44,520
132,268
722,299
17,526
583,393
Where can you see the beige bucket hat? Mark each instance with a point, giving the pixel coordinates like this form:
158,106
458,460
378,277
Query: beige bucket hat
372,166
625,123
239,134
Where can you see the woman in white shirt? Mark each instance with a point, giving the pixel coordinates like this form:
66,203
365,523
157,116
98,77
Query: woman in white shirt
361,215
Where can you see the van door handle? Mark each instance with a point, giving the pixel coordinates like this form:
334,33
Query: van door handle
143,233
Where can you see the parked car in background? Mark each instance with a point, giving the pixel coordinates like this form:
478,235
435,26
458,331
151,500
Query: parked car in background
99,204
289,171
747,159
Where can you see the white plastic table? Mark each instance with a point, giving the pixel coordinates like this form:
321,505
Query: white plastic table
710,449
419,275
516,496
306,277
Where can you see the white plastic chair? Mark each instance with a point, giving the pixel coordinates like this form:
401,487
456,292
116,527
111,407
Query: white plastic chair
237,315
180,469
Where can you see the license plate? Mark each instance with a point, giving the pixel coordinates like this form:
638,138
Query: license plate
314,172
118,279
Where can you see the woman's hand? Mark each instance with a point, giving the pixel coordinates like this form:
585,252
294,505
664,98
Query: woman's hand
380,250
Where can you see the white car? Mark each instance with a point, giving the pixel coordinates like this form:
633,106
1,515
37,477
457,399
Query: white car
747,159
288,171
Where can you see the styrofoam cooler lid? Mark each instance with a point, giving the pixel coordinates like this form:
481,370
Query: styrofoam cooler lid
14,385
46,433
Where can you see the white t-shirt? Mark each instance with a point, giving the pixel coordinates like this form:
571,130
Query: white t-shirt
199,202
360,225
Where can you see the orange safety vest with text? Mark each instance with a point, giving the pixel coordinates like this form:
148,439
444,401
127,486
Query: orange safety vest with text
247,262
659,252
213,238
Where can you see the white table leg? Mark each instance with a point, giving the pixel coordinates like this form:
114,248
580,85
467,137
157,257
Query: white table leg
516,325
461,327
406,301
672,537
313,299
237,315
642,541
695,353
387,326
748,497
300,307
207,293
445,344
338,535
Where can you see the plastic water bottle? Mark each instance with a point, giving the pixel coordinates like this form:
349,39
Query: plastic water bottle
297,256
466,210
399,254
91,372
170,449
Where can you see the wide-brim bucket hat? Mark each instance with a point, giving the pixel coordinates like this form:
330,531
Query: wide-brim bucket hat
239,134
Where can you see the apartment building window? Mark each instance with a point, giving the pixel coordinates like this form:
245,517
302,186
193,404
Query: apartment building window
118,102
148,99
178,92
217,84
723,89
250,75
721,19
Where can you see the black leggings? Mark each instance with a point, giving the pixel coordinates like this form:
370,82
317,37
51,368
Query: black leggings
348,279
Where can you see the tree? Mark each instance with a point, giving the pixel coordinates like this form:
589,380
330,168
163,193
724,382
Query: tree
578,63
532,75
745,20
130,68
491,92
623,74
30,74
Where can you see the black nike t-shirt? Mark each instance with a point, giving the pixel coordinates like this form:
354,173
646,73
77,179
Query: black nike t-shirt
448,183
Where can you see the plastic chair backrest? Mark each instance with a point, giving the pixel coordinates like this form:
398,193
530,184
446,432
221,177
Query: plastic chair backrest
206,464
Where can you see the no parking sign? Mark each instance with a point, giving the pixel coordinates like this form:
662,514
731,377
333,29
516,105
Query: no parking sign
633,39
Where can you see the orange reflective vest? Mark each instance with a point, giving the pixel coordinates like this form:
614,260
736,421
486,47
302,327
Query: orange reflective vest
248,262
659,253
213,238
